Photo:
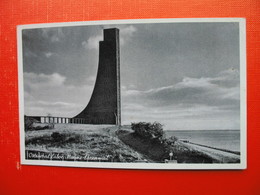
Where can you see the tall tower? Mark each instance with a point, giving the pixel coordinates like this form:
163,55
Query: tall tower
104,106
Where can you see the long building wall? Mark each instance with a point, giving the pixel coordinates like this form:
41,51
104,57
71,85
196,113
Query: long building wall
56,120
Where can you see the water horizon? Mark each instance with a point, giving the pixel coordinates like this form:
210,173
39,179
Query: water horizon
222,139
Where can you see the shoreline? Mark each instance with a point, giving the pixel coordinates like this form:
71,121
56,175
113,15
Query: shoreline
224,150
217,155
223,140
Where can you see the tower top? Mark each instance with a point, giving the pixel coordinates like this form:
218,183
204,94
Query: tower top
111,34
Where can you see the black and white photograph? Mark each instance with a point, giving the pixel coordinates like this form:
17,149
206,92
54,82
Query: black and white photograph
134,94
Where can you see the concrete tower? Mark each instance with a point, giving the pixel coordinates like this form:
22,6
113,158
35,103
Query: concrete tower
104,106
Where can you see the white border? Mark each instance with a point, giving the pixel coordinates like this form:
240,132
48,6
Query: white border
243,138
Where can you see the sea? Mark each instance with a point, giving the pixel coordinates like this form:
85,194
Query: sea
223,139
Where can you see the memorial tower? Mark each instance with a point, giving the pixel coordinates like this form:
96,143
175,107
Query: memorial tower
104,106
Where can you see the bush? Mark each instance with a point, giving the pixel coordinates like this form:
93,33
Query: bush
50,126
57,137
28,123
152,131
171,140
41,127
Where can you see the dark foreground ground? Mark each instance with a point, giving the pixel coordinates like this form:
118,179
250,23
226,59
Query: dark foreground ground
102,143
76,142
160,152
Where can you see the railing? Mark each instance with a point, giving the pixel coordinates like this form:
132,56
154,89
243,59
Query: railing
57,120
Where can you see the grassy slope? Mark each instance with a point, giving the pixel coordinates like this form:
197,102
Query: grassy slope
101,140
182,152
82,140
159,152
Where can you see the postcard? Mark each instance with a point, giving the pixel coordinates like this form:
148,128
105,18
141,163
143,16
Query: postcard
134,94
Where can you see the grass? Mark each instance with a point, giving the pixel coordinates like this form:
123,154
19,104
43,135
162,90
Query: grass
182,152
81,141
158,152
102,142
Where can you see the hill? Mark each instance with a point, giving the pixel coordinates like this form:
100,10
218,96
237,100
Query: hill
80,142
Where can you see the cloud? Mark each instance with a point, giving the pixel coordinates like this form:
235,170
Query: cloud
33,80
53,34
126,33
92,42
50,94
62,109
91,79
30,54
210,91
227,78
48,54
204,99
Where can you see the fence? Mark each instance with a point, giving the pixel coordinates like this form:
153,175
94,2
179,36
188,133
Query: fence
51,119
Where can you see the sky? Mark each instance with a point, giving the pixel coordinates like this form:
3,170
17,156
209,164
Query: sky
183,75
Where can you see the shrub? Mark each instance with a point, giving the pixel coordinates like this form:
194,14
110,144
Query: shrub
152,131
50,126
28,123
171,140
57,137
41,127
